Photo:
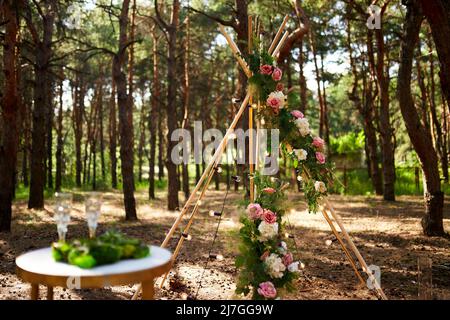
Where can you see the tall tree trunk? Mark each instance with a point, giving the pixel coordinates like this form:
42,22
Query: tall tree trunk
124,102
49,126
172,28
78,111
161,144
186,101
42,101
9,106
319,89
437,13
142,129
59,140
432,222
386,131
152,124
364,104
113,135
440,145
302,80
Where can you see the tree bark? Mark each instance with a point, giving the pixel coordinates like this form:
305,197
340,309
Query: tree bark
386,131
42,101
432,222
113,135
153,116
59,140
437,13
9,106
124,103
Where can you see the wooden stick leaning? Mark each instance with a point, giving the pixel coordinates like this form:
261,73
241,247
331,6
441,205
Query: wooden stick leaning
344,248
278,34
250,119
355,250
186,229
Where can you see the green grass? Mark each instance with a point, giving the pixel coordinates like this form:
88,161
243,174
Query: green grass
358,183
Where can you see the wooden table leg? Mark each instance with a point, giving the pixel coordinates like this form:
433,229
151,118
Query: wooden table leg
148,290
34,292
49,293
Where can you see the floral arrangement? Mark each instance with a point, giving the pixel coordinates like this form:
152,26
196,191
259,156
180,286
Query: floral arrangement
265,262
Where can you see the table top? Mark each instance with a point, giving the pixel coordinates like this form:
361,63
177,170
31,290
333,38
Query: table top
38,266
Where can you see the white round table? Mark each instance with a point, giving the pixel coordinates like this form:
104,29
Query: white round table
38,267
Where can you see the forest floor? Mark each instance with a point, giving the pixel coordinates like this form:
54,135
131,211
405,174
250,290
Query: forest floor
387,234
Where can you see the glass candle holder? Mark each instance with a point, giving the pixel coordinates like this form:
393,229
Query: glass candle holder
63,206
93,211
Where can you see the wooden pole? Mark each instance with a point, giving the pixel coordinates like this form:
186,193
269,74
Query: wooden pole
216,155
278,35
250,120
280,44
341,242
236,52
355,250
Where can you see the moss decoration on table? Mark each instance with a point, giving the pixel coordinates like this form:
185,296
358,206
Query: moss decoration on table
108,248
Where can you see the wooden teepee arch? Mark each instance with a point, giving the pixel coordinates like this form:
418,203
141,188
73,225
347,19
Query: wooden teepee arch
195,198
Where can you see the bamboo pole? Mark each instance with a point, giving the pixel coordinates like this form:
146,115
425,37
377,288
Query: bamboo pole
250,119
341,242
186,229
278,34
355,250
216,155
236,51
280,44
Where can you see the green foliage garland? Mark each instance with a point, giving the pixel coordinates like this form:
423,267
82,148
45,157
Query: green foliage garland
266,265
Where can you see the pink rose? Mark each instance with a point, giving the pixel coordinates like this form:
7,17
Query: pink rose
269,190
318,143
266,69
277,74
254,211
267,290
320,157
287,259
297,114
264,255
280,86
269,216
274,102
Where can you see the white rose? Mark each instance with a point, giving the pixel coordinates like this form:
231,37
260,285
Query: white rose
301,154
320,187
267,230
274,266
293,267
303,126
